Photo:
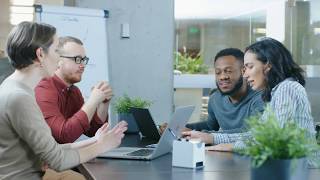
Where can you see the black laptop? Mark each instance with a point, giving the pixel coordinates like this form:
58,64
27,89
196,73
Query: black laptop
145,123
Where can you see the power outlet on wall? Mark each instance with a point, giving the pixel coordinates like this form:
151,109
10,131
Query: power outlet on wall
125,30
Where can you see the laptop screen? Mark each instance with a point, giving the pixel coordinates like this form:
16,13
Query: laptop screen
145,123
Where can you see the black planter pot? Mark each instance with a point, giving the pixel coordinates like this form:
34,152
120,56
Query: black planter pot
132,125
281,169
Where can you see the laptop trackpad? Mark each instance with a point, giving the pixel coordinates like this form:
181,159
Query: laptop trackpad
141,152
126,151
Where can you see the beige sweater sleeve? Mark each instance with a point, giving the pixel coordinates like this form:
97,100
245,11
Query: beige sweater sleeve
28,122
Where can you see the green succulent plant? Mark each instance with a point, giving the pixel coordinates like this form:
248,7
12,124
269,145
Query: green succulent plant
270,140
124,103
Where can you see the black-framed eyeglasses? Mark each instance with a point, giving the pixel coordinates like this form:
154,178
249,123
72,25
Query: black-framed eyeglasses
78,59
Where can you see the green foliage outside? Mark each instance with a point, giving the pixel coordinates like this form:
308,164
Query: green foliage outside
123,104
271,141
189,65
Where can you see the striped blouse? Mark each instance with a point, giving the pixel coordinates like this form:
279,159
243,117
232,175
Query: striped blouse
289,101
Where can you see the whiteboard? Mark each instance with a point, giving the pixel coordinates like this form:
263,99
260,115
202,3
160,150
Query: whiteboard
89,25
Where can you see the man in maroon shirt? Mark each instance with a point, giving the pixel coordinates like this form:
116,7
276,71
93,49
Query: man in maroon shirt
62,103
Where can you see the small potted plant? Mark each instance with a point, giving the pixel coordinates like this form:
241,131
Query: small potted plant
122,107
278,152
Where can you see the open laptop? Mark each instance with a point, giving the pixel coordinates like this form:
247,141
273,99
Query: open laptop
178,121
145,123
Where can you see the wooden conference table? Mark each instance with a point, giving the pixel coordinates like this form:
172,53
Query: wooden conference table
218,166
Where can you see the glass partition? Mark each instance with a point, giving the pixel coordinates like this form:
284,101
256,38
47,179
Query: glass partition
204,27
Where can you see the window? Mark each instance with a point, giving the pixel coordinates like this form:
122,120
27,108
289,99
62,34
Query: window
204,27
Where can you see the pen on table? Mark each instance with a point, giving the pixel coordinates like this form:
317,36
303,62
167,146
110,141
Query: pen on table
173,134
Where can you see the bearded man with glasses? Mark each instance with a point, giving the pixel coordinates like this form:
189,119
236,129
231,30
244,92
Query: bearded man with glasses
61,102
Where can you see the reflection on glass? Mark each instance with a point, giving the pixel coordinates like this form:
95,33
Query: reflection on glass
204,27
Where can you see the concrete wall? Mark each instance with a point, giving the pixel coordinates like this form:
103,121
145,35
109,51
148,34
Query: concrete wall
143,64
5,25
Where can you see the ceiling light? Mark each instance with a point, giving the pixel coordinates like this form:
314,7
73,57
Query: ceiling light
259,30
316,31
18,18
22,2
21,9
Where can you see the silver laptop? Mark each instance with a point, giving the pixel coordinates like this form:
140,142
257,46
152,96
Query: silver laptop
164,146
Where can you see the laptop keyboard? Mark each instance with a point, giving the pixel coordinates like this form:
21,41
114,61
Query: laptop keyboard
141,152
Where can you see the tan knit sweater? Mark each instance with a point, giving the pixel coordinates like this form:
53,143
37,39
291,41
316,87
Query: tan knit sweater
25,138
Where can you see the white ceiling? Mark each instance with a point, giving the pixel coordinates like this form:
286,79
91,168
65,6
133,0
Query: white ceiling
219,9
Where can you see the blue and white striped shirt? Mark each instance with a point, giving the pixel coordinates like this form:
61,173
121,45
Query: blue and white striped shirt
289,101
